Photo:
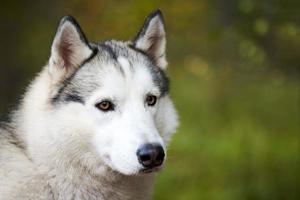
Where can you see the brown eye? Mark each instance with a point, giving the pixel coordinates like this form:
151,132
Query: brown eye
151,100
105,106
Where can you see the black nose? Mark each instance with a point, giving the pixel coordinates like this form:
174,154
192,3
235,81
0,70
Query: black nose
151,155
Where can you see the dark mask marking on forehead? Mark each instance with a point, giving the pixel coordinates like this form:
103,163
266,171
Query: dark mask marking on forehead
109,51
159,76
161,80
69,91
113,55
62,95
72,96
133,55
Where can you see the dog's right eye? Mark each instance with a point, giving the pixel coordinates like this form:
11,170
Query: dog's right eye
105,106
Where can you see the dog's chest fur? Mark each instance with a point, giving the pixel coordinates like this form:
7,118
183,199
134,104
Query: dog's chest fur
111,186
20,179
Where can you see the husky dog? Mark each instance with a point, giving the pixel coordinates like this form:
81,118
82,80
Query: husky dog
95,123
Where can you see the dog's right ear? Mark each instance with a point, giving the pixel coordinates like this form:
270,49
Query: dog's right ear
69,50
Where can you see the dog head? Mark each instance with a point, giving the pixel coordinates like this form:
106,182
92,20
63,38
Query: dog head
110,100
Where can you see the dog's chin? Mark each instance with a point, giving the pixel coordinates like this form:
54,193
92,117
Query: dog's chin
150,171
138,172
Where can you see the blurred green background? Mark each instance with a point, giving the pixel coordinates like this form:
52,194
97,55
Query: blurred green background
235,69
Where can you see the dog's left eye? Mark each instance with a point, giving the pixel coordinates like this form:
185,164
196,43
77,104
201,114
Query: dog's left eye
151,100
105,106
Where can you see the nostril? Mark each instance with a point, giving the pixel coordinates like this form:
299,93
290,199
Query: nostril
145,157
160,154
151,155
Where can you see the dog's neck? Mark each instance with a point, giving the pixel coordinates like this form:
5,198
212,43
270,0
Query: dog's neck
74,184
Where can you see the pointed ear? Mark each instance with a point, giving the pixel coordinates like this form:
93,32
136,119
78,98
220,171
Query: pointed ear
152,39
69,50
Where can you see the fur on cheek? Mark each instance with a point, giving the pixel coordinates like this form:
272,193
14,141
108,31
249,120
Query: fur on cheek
166,119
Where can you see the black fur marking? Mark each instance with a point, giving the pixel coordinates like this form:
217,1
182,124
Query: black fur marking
73,97
160,79
132,46
142,52
113,54
109,50
159,76
58,97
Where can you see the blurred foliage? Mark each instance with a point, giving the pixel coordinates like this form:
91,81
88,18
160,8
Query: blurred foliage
235,79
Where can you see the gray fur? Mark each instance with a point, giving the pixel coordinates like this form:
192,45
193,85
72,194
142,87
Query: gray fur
49,150
82,82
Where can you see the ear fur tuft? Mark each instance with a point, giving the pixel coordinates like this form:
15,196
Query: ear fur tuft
151,39
69,50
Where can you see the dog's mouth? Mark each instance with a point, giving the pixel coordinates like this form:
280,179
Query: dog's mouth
151,170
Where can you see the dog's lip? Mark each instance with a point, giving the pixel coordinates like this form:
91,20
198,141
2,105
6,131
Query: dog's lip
151,170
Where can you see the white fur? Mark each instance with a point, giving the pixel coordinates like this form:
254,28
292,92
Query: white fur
74,150
132,124
77,141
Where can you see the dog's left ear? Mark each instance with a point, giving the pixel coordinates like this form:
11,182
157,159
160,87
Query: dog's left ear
151,39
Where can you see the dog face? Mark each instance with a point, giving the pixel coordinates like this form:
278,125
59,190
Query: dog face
112,98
